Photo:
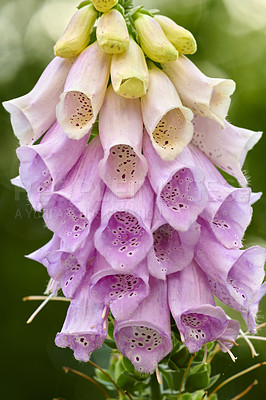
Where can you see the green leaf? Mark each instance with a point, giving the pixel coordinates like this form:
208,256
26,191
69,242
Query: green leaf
110,322
134,10
197,381
213,380
110,343
129,367
83,4
125,381
181,357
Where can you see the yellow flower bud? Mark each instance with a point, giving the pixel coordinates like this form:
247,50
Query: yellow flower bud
181,38
104,5
152,39
77,34
112,33
129,72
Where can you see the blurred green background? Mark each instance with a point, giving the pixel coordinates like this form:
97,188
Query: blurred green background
231,37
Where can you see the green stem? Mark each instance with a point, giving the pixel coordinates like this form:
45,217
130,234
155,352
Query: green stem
155,388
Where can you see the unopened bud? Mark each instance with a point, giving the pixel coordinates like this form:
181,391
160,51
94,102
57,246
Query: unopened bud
112,33
129,72
77,34
181,38
153,41
104,5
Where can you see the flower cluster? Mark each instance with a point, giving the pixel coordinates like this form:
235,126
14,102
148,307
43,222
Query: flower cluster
144,223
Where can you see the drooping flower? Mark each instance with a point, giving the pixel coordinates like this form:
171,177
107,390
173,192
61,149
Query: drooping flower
172,251
226,147
228,211
77,33
66,268
235,276
104,5
123,168
158,49
192,305
85,326
69,211
129,72
43,166
124,236
84,92
181,38
122,292
167,122
179,186
112,34
145,336
209,97
34,113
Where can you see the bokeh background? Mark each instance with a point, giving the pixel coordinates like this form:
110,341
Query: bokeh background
231,37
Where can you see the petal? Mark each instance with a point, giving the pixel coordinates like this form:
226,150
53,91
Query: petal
167,122
123,292
179,186
226,147
205,96
84,92
145,337
124,236
43,166
84,329
172,251
69,212
228,210
123,168
34,113
229,336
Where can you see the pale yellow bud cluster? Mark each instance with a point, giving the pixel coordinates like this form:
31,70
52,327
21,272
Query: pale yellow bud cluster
156,37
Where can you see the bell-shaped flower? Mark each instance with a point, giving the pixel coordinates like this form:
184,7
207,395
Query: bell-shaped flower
228,337
34,113
123,168
172,251
226,147
104,5
209,97
85,326
84,91
43,166
129,72
181,38
178,184
122,292
193,308
124,236
67,268
112,34
69,211
153,41
167,122
145,337
235,276
77,34
228,210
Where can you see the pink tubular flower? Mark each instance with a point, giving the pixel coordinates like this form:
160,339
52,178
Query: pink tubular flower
172,251
124,236
203,95
123,167
69,211
235,276
193,308
226,147
179,186
228,210
122,292
34,113
145,336
85,326
43,166
84,91
166,120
